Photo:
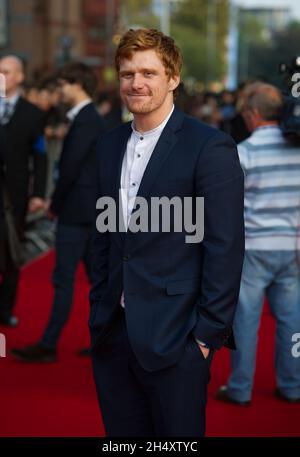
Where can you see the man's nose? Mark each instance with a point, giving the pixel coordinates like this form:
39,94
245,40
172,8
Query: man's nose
137,81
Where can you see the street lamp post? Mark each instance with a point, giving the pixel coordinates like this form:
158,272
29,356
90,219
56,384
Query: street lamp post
66,41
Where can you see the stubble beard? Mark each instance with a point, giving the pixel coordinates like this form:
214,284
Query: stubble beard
140,108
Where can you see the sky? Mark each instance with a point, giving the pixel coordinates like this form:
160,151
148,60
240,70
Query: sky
294,5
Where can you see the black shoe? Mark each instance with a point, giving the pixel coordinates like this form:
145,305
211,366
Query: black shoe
222,395
278,394
11,321
86,352
35,353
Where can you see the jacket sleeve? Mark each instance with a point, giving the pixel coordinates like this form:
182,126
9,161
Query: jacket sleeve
220,181
2,148
100,245
39,156
79,144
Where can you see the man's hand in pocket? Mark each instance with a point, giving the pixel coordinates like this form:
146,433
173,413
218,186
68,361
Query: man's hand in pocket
205,351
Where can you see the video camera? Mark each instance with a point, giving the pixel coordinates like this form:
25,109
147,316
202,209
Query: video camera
290,117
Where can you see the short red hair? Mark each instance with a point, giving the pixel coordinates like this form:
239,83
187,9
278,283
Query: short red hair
146,39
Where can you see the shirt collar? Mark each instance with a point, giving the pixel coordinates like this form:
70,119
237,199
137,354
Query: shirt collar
157,129
72,113
263,128
11,100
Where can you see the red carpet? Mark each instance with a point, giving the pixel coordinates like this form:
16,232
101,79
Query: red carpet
59,399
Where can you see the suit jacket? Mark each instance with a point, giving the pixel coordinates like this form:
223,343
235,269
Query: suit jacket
23,132
73,199
2,228
172,289
2,149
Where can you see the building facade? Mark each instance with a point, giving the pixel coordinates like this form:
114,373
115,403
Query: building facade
47,33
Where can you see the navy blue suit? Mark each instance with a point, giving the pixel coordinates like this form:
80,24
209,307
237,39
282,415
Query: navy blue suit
174,291
23,144
74,195
73,203
2,227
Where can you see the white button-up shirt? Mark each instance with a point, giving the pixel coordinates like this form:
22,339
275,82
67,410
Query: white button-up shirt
139,150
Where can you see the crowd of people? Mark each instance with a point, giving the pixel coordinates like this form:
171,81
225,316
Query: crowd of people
35,127
48,137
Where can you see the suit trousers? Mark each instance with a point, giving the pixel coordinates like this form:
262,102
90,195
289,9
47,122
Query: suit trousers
9,281
72,246
136,402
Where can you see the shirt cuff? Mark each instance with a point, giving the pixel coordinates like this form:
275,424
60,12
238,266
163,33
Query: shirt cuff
201,343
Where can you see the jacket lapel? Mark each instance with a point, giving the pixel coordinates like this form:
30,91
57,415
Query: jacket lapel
120,149
16,112
117,162
161,152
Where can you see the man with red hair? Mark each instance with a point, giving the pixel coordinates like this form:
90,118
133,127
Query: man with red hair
160,306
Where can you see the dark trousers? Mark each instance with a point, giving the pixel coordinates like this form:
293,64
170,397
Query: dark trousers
72,246
9,281
135,402
10,272
8,287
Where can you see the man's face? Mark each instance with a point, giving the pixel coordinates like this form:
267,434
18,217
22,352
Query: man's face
56,97
44,100
13,74
68,92
144,84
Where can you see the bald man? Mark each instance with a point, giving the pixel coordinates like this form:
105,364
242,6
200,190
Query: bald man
23,125
271,265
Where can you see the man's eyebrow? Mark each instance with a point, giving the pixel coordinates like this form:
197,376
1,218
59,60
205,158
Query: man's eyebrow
139,70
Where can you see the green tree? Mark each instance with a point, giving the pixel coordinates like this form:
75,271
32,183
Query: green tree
254,42
138,13
200,27
285,48
265,50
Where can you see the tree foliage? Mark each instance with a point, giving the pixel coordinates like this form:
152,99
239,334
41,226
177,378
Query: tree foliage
200,27
261,51
138,13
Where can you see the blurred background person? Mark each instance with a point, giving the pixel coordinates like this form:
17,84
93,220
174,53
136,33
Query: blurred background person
109,106
73,203
272,215
23,125
232,121
56,125
207,110
2,224
31,93
227,104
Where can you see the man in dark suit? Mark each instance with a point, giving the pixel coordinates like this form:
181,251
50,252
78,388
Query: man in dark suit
160,305
72,203
2,226
23,125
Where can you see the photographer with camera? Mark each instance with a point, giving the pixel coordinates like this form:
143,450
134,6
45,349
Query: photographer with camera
272,215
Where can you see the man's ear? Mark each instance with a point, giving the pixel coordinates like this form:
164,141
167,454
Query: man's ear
256,113
174,82
20,77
